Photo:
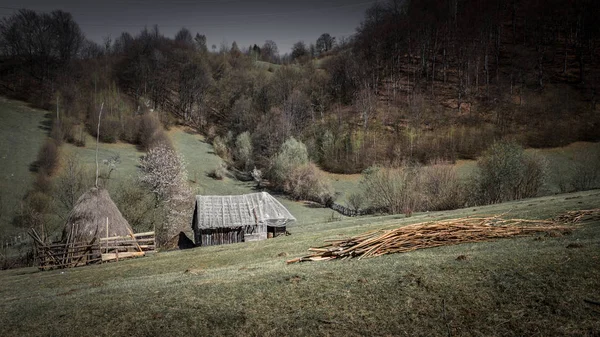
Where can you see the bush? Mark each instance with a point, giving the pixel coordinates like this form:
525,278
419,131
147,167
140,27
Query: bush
57,132
71,183
221,148
442,188
306,182
586,171
292,154
218,172
356,201
394,190
243,151
149,131
110,130
47,159
138,206
131,130
42,183
507,173
68,127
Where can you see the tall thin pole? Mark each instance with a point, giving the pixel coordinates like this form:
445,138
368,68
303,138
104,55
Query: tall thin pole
97,140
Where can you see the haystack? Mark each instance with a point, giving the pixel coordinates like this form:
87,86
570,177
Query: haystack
89,216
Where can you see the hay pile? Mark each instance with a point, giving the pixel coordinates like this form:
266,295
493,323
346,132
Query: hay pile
428,235
89,217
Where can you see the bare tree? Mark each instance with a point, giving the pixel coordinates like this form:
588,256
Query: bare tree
299,50
366,103
269,51
325,43
184,38
71,183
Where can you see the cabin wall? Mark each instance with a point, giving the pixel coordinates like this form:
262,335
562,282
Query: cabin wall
218,236
221,236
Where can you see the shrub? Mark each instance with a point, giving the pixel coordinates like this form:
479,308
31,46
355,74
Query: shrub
42,183
47,159
257,176
68,127
81,136
243,151
586,171
392,189
306,182
138,206
149,129
292,154
218,172
506,173
57,132
221,148
71,183
356,200
110,130
441,186
131,130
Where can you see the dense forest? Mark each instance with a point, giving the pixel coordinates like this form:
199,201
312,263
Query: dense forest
420,81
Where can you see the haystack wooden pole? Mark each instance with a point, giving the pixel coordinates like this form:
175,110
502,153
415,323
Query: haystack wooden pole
97,141
107,235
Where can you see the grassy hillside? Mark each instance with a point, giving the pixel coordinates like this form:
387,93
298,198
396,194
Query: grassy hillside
201,159
22,132
525,286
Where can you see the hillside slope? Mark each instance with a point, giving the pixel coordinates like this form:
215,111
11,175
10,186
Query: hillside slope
22,132
540,285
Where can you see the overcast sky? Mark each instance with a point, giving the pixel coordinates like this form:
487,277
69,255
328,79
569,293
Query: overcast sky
246,22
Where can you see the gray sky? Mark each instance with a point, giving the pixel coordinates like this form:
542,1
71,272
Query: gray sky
246,22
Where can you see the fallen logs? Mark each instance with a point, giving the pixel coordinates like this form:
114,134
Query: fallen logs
428,235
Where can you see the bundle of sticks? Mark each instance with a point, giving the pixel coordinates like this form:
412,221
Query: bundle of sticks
428,235
579,216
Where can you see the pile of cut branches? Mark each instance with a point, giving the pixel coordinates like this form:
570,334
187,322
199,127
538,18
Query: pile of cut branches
579,216
428,235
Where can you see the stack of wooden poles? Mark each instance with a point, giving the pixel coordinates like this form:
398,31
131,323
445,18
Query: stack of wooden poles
428,235
579,216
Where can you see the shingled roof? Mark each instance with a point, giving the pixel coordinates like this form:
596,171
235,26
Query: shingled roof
239,210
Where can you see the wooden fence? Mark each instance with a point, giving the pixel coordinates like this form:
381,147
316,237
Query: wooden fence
15,240
74,254
122,247
65,255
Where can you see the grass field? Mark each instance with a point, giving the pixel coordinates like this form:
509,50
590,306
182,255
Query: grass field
525,286
201,159
22,132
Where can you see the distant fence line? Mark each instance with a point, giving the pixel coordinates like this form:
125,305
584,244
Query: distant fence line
15,240
347,211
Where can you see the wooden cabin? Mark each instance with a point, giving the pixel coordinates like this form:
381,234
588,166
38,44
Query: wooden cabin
227,219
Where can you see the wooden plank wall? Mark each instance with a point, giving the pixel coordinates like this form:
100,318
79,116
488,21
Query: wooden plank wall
218,236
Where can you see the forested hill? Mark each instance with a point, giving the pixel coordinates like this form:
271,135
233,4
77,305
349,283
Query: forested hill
419,80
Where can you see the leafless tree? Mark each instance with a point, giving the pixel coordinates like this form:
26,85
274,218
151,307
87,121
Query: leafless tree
269,51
